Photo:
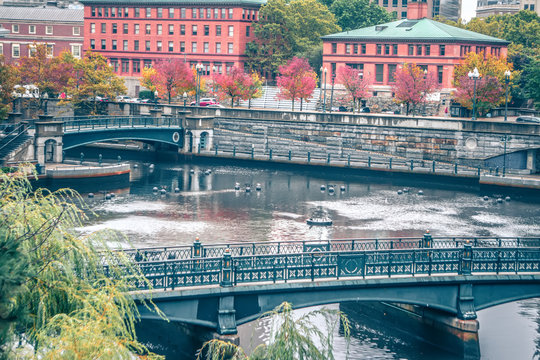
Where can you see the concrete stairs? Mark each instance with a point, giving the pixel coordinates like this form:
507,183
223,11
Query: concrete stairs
269,100
11,142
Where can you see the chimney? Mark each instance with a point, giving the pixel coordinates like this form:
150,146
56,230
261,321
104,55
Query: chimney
417,10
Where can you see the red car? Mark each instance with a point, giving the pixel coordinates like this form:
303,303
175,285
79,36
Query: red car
205,102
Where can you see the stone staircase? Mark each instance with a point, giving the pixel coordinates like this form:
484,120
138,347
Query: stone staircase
11,141
269,100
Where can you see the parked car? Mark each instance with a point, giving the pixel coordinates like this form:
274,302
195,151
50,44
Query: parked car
205,102
123,98
529,119
144,101
134,100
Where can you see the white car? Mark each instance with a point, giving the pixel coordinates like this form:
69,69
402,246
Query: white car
123,98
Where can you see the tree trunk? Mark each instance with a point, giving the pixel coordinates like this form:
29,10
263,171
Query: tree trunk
169,97
249,103
292,104
407,109
232,102
301,103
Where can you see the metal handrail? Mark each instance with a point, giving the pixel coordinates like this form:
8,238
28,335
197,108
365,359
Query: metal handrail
17,132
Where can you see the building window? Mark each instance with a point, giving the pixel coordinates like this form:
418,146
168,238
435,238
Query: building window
114,28
93,11
206,30
125,45
136,65
247,31
106,12
92,44
171,29
182,46
148,12
125,28
125,66
113,46
385,3
159,46
92,28
159,13
427,50
379,73
16,50
231,30
230,13
182,29
31,50
206,47
216,13
193,47
147,45
333,69
103,44
137,12
136,29
395,49
403,14
103,28
76,51
218,30
355,48
395,3
440,74
194,29
100,12
404,3
1,49
208,13
442,50
387,49
170,46
126,12
411,50
230,48
114,64
136,45
148,29
379,49
391,71
193,13
49,30
347,48
418,50
363,48
218,48
223,13
159,29
147,63
334,48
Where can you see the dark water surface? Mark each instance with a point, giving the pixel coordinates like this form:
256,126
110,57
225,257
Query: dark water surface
208,207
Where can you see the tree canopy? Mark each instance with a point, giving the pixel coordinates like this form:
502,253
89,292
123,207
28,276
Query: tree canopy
412,85
356,86
8,80
297,80
356,14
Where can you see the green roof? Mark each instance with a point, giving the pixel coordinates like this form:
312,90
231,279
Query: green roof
414,30
177,2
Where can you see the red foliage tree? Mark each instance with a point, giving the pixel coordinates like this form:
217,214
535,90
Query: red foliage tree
489,92
297,80
173,77
412,85
234,85
356,86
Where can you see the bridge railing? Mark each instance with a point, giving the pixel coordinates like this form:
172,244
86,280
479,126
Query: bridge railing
230,270
72,124
288,247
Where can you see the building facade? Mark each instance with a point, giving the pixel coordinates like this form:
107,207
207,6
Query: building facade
379,50
485,8
133,34
60,29
449,9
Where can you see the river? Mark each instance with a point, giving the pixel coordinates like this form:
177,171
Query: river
207,206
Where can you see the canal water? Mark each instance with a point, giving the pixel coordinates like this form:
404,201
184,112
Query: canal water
207,206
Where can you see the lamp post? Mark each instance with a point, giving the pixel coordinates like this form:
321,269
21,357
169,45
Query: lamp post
199,69
474,75
505,138
332,93
214,69
185,98
155,99
507,75
323,75
45,101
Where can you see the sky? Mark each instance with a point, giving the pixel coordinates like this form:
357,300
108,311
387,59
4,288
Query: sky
468,9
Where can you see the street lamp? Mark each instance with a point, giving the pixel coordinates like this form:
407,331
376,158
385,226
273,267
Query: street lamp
474,75
214,69
507,75
199,69
323,73
185,98
332,92
45,101
155,99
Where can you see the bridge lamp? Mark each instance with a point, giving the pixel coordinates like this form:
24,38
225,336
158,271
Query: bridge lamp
199,69
474,75
185,98
507,75
323,74
45,101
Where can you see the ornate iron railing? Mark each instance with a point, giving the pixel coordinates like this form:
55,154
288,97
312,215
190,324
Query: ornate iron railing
291,247
73,124
230,270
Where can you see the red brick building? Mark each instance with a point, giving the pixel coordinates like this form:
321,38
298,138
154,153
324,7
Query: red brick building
378,50
133,34
60,29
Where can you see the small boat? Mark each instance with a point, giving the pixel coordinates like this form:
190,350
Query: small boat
319,221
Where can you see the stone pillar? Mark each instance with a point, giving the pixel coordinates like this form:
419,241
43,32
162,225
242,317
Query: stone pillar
48,130
156,112
227,316
531,160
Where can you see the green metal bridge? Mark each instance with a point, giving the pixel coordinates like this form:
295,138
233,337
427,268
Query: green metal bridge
225,285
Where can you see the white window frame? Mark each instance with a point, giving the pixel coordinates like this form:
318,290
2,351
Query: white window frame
1,49
15,28
92,28
30,27
18,47
76,50
231,30
76,30
230,48
47,28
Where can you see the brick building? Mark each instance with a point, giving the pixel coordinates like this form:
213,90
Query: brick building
449,9
133,34
378,50
60,29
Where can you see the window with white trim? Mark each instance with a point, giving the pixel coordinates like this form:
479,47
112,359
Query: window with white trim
231,30
76,51
49,30
15,50
31,29
15,28
76,30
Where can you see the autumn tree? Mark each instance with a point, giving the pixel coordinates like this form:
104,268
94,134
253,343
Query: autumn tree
49,74
94,77
234,85
412,85
149,80
254,90
355,84
356,14
173,77
489,88
8,80
297,80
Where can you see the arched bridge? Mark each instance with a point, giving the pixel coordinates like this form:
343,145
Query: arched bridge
86,130
223,286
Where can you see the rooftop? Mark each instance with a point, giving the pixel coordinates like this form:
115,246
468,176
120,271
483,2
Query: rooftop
49,14
179,2
415,30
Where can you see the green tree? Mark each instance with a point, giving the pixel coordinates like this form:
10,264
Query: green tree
356,14
290,338
94,77
55,298
8,79
531,76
